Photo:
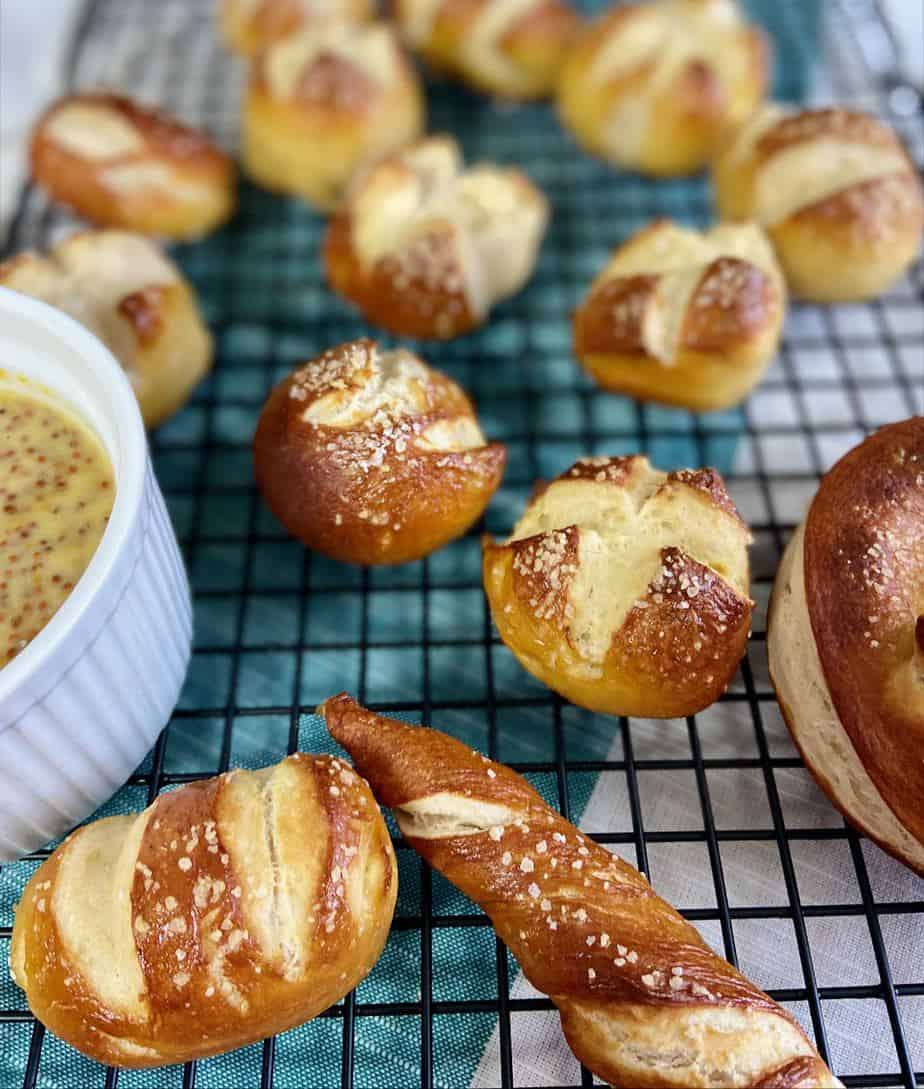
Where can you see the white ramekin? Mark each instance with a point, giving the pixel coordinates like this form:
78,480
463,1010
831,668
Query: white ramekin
85,700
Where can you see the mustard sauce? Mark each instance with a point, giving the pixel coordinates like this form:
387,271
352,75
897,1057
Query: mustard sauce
56,494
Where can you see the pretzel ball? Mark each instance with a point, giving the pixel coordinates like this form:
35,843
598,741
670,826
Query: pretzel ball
425,247
510,48
653,86
371,457
625,589
846,638
120,164
130,295
325,101
683,317
836,192
250,26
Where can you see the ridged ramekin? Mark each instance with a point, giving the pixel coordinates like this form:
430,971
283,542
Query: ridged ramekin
83,703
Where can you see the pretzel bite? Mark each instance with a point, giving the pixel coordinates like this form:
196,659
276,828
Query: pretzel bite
683,317
510,48
250,26
846,638
425,248
229,910
325,101
653,86
131,296
836,192
624,588
120,164
371,457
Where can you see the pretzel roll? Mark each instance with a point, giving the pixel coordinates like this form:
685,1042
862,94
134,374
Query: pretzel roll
509,48
229,910
683,317
371,457
325,101
644,1002
625,589
652,86
250,26
130,295
425,248
120,164
836,192
846,638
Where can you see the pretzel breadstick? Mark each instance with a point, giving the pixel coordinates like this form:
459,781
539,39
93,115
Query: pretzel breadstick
643,1000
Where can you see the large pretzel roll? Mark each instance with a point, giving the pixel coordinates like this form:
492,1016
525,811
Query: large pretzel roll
683,317
325,101
644,1003
846,638
652,86
624,588
250,26
120,164
425,247
836,192
371,457
511,48
131,295
229,910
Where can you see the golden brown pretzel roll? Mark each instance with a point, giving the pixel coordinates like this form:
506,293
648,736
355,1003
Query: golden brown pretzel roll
652,86
624,588
425,248
512,48
846,638
371,457
325,101
684,317
643,1000
230,910
249,26
836,192
130,295
120,164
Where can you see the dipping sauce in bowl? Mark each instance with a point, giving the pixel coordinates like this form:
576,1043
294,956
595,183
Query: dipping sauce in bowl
56,493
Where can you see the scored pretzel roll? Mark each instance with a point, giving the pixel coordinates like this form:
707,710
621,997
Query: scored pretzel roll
652,86
249,26
425,247
836,192
846,638
643,1000
683,317
625,589
230,910
130,295
325,101
371,457
120,164
510,48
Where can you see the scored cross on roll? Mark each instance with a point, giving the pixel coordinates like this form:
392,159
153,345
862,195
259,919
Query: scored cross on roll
425,247
684,317
512,48
643,1000
836,192
325,101
652,86
625,588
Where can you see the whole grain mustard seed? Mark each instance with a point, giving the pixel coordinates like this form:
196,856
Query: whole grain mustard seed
56,495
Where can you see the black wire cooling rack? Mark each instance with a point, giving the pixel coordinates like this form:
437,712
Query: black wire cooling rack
722,796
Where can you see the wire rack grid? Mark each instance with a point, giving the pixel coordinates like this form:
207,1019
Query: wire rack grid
278,629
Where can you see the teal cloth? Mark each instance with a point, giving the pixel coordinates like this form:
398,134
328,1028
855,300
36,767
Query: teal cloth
262,290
